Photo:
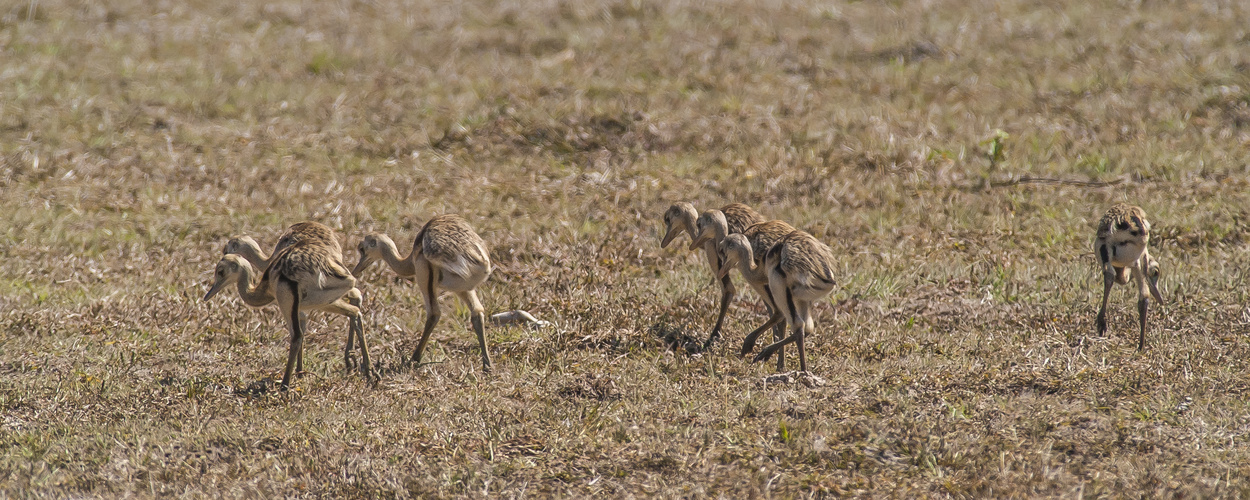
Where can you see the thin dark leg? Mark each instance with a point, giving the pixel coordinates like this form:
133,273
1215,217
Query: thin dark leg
355,300
299,361
432,315
779,332
430,320
1101,321
779,328
477,316
726,296
348,360
776,346
802,350
1141,312
775,321
297,332
479,319
366,368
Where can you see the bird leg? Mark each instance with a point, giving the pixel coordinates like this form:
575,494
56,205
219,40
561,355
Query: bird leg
1108,279
299,360
297,330
779,329
348,361
805,324
432,314
1142,293
801,320
748,344
726,296
366,367
776,346
477,316
354,329
775,320
802,351
779,332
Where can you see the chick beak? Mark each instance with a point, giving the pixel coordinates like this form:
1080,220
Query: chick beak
668,237
214,289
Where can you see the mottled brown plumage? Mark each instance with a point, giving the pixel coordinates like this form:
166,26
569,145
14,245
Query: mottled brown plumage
764,236
746,251
247,248
306,261
800,271
447,254
451,244
706,231
307,275
1121,245
713,228
740,217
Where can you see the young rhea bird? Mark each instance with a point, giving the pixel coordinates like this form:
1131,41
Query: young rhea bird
1123,234
246,247
746,251
714,229
301,277
446,255
683,218
800,271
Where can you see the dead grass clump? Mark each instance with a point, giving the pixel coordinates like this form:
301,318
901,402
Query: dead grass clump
676,338
909,53
625,133
1229,107
590,386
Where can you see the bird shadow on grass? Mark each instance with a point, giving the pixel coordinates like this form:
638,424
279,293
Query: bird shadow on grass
384,369
676,338
259,389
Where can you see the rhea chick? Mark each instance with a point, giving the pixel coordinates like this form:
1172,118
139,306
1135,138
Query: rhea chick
1121,245
683,218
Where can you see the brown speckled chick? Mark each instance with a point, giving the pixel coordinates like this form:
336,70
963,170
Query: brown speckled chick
1121,246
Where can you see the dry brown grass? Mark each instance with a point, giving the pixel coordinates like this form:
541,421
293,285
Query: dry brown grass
135,137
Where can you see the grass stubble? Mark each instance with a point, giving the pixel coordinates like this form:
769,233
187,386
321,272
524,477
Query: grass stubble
135,137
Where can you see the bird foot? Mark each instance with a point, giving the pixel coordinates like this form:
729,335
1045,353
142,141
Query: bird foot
748,345
711,340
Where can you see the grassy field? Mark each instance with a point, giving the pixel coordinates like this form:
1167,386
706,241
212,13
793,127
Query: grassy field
958,350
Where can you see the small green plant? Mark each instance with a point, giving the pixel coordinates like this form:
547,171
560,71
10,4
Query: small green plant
323,62
994,152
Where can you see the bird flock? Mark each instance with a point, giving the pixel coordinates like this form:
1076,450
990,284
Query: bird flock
788,268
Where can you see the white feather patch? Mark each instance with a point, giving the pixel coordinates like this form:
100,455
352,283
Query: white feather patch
459,267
